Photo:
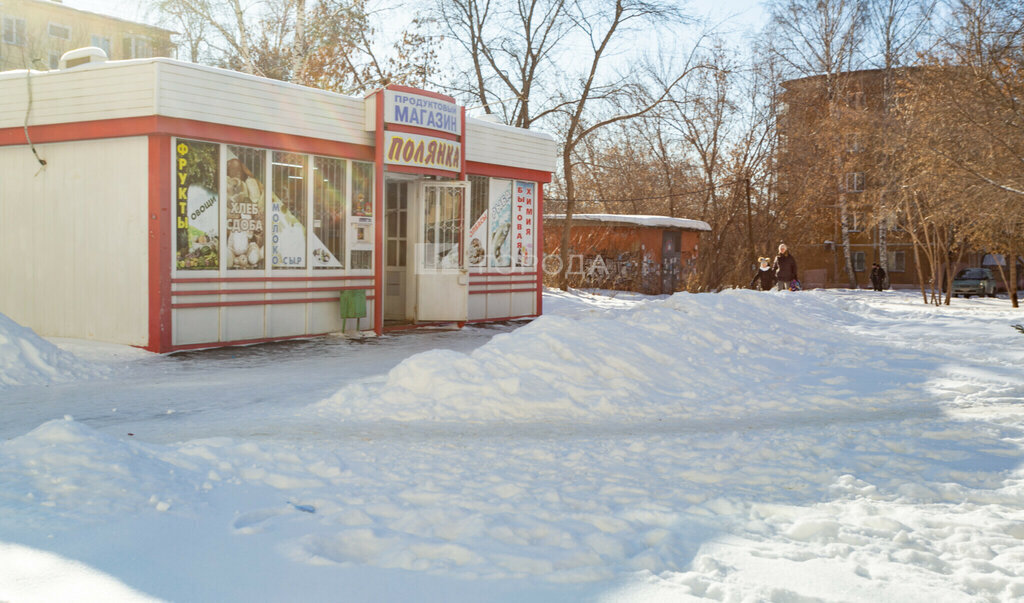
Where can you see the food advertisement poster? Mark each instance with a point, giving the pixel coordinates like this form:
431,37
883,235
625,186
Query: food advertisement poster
524,202
478,241
288,236
197,208
500,218
246,208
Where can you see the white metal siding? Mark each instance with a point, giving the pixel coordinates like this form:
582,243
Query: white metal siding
224,97
83,94
73,238
503,145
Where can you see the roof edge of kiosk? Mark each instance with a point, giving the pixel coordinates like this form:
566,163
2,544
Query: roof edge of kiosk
166,87
637,220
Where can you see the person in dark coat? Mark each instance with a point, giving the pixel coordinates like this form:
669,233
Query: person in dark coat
784,268
877,277
764,277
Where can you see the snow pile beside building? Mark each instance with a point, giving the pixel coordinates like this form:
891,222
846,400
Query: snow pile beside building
663,360
27,359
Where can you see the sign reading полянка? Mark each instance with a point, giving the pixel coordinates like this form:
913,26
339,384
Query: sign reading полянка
421,111
422,151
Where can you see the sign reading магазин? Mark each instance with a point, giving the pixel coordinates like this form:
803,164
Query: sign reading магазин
421,111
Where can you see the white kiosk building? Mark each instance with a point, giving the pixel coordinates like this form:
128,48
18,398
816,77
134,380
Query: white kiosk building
173,206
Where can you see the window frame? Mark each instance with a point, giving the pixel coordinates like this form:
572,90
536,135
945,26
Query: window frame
18,36
52,24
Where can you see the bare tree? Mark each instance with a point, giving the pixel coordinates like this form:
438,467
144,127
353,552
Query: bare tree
822,38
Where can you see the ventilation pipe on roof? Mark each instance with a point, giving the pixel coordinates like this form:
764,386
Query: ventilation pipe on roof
82,56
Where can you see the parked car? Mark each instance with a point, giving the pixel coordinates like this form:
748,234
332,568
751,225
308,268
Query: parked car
974,281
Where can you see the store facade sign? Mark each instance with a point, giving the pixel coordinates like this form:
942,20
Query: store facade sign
414,150
421,111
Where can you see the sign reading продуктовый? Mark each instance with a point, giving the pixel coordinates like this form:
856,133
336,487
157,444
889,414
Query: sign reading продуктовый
421,111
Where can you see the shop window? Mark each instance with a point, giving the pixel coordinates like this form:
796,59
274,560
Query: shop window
197,206
524,203
60,32
329,209
479,191
897,261
859,261
288,211
362,230
101,42
246,208
499,223
14,31
442,226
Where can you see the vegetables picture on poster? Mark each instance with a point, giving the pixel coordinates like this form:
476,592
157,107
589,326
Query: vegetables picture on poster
246,208
523,222
500,217
197,206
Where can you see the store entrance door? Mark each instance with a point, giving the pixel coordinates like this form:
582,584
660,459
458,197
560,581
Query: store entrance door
439,226
396,235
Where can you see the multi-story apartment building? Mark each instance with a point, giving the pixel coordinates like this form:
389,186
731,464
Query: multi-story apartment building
830,164
35,33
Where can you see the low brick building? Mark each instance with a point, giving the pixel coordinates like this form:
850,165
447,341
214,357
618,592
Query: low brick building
648,254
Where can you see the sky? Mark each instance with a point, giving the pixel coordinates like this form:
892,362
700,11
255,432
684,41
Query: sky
740,14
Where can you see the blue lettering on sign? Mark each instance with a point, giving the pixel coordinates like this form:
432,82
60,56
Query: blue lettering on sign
425,112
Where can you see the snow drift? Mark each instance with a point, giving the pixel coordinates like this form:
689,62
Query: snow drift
683,358
27,359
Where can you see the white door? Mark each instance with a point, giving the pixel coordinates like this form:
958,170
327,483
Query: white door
396,203
442,279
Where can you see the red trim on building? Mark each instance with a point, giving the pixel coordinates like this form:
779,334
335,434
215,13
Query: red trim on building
184,128
538,247
485,292
504,318
462,142
267,279
408,169
476,168
263,291
257,302
221,344
411,90
508,274
378,203
159,174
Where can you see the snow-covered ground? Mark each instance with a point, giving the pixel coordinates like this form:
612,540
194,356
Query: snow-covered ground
823,445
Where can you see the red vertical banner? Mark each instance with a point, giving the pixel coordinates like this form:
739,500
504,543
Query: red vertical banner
161,163
539,237
524,220
378,203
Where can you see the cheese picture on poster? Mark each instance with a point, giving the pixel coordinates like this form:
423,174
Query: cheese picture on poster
500,227
289,238
523,222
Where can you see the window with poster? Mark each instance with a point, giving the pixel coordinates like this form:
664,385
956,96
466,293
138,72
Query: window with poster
276,210
288,211
362,216
329,209
197,205
246,208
